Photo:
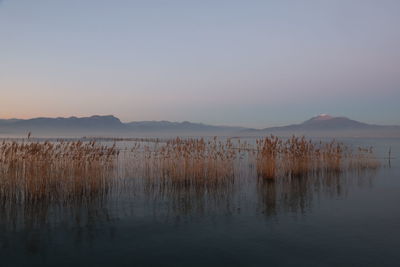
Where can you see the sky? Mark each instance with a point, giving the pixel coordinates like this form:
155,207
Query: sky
247,63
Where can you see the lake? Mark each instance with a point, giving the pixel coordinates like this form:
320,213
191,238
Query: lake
346,219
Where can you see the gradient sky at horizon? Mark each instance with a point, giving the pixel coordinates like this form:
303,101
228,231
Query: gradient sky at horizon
249,63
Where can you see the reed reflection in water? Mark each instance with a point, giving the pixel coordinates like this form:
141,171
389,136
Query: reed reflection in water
84,182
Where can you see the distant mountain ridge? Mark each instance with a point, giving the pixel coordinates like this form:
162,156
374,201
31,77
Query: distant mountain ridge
108,124
321,125
325,122
93,122
328,121
326,125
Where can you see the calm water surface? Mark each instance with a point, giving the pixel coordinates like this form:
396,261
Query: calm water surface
348,220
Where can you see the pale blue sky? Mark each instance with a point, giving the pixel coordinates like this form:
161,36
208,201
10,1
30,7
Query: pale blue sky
250,63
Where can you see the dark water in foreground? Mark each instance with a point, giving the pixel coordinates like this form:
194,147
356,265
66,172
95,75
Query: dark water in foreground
347,220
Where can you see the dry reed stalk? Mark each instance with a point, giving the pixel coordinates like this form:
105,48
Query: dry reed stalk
297,157
33,172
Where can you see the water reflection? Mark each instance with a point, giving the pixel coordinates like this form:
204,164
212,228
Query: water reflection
143,187
167,198
36,228
296,195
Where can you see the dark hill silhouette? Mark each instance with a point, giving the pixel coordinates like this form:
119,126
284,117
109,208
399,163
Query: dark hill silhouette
326,125
58,126
93,122
109,125
322,125
326,122
329,122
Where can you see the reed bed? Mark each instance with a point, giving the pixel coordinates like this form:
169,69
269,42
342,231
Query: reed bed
194,159
67,171
54,172
298,157
194,164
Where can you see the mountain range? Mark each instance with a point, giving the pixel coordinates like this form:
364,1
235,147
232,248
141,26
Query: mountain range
329,126
322,125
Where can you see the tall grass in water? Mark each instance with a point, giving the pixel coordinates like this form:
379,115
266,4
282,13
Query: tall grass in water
192,159
183,160
190,174
62,172
297,157
65,171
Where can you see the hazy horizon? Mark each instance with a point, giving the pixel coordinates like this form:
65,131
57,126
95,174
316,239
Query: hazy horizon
316,117
257,64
